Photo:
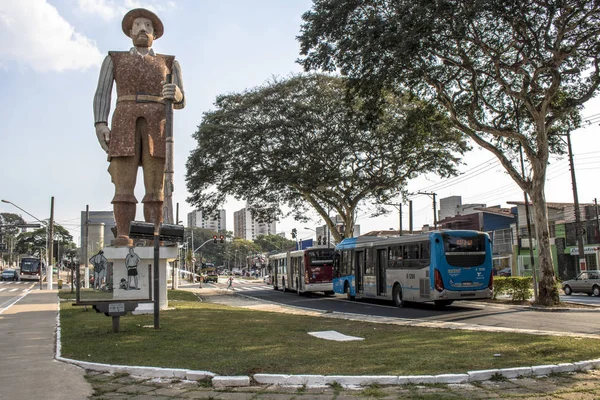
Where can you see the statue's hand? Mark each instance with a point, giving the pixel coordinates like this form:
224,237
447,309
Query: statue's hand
171,91
103,134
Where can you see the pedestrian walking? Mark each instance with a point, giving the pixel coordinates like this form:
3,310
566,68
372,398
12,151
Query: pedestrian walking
230,283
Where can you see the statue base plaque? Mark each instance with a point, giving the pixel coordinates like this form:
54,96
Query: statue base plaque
132,272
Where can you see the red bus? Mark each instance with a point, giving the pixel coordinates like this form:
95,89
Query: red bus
30,268
303,271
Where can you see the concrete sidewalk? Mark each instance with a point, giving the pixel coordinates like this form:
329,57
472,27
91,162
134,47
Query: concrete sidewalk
28,369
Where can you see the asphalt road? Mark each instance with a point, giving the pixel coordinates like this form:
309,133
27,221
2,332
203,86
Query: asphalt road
580,321
11,292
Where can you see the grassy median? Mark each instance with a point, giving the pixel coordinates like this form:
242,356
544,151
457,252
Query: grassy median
235,341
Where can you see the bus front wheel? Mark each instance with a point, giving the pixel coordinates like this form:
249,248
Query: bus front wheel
397,294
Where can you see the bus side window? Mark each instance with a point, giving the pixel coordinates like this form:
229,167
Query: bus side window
336,265
369,266
344,266
412,255
425,253
395,257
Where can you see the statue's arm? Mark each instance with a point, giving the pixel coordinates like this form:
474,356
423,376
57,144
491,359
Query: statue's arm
175,90
102,102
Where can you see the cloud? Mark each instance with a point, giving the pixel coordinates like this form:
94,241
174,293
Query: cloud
34,34
115,9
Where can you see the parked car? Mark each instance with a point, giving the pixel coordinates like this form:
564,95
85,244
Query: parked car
505,272
10,275
267,279
586,282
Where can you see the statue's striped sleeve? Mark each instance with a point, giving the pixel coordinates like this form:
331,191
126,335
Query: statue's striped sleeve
103,91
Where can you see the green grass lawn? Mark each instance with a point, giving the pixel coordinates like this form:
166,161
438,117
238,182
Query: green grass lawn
235,341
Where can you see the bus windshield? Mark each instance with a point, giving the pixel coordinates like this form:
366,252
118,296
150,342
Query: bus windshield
464,251
29,265
320,257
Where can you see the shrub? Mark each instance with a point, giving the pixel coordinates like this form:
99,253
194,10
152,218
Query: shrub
519,287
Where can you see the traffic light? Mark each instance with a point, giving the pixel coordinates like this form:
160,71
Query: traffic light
319,240
222,239
294,233
214,238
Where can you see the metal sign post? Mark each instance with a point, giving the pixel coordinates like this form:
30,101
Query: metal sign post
166,232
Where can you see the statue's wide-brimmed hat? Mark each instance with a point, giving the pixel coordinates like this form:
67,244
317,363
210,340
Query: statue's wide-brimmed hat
142,13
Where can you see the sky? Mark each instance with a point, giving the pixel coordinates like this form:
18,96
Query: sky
50,54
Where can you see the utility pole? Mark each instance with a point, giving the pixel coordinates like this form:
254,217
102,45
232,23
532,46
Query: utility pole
579,227
177,264
597,222
399,208
193,266
410,216
86,226
432,195
49,270
531,258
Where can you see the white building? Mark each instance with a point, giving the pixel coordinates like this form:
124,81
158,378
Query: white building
453,206
100,230
245,227
215,222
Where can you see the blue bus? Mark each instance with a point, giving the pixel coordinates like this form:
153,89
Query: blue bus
439,266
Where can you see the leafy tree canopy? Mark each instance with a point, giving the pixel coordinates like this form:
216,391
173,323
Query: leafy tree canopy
210,252
307,141
9,223
28,242
269,243
509,74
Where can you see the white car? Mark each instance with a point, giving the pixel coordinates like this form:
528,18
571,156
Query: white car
267,279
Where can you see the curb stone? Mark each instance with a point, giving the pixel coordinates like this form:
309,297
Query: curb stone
320,380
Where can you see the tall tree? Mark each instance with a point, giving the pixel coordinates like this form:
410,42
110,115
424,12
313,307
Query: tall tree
269,243
28,242
210,252
9,224
509,74
9,229
308,140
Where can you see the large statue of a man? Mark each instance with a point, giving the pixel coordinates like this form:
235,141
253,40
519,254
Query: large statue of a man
137,136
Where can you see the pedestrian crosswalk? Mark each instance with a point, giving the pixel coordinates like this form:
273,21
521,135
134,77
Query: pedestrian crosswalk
15,286
245,286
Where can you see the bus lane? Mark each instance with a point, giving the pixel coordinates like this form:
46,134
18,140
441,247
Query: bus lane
583,321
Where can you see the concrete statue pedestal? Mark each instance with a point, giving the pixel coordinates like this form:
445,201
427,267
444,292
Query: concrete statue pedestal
125,284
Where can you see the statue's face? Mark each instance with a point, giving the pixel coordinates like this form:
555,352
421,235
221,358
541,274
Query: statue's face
142,32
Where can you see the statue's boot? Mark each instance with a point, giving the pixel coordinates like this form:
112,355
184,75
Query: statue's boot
153,212
124,214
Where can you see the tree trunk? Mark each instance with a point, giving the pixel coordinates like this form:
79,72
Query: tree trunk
547,289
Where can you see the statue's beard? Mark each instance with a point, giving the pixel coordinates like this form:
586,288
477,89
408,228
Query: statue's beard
143,40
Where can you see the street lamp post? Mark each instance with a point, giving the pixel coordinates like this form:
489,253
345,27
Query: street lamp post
49,240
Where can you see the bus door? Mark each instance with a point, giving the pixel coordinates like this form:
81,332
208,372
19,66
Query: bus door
294,272
369,276
359,271
380,271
